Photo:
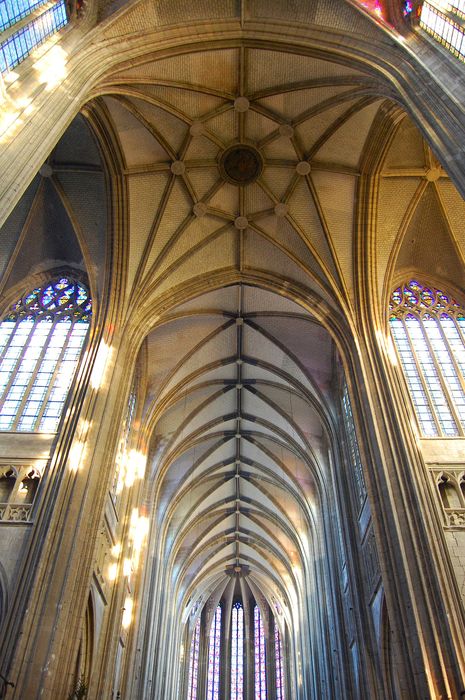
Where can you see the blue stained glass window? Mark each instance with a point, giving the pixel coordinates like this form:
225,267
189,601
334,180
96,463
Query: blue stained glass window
39,352
237,652
428,326
20,44
214,650
278,652
194,663
11,11
260,656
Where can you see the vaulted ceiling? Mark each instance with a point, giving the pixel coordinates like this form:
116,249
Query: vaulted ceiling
242,290
240,386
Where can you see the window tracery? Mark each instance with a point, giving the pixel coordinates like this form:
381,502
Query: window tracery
194,663
214,649
278,651
354,452
260,656
428,328
18,487
41,339
444,21
450,487
44,20
237,652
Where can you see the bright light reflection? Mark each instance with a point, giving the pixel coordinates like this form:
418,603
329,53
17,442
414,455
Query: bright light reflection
76,455
138,531
51,67
127,567
386,344
127,612
112,571
101,364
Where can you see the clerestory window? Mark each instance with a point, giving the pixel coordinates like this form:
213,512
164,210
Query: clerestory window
428,328
444,20
260,655
278,651
237,652
26,24
41,339
214,649
194,663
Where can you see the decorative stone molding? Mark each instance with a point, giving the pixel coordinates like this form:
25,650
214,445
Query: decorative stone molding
449,485
455,518
370,557
19,499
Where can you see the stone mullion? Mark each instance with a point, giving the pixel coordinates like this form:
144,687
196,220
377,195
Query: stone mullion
203,661
112,631
349,513
249,652
225,654
59,589
270,661
412,556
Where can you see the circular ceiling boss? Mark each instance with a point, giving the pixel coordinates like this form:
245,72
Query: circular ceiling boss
241,164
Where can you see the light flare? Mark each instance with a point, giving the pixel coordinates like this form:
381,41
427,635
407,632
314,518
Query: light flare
113,571
127,612
51,67
102,362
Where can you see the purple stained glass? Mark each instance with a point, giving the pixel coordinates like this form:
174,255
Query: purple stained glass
214,649
278,652
194,663
237,652
414,295
260,655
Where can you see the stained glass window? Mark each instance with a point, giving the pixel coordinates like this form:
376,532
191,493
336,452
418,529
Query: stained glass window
214,649
278,652
354,452
443,20
260,659
428,327
22,42
11,11
41,339
194,663
237,652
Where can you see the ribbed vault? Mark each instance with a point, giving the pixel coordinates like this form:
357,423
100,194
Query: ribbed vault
240,409
239,412
308,118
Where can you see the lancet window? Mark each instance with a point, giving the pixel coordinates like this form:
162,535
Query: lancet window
194,663
214,651
260,656
444,21
237,652
41,339
428,328
278,652
354,452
